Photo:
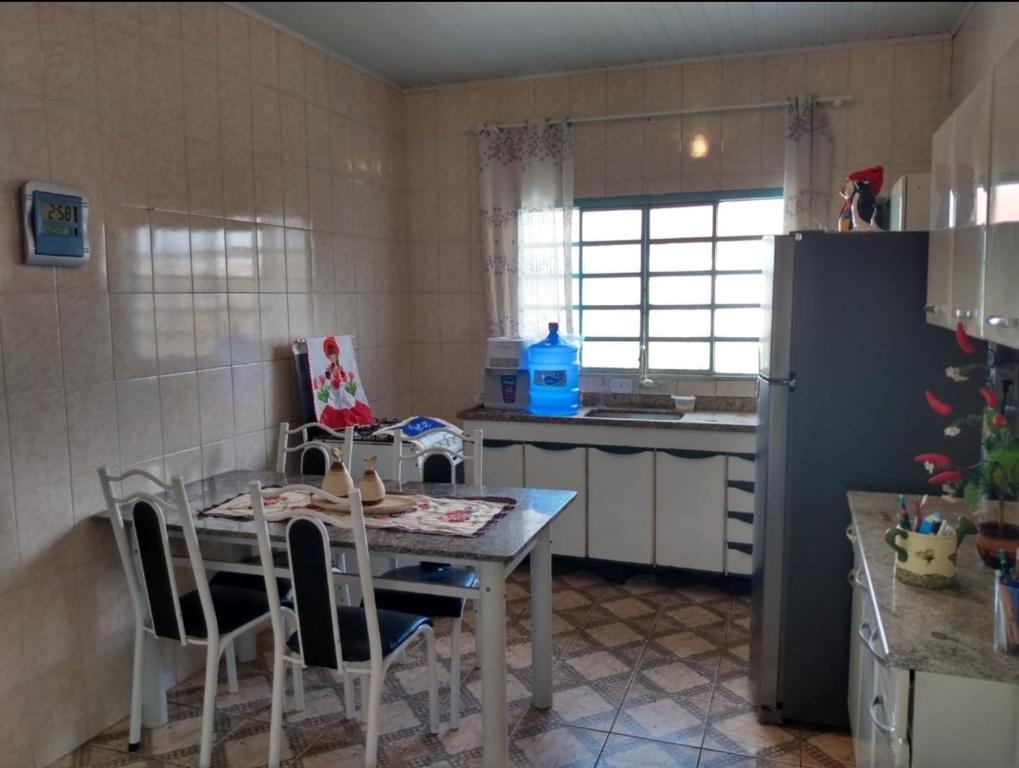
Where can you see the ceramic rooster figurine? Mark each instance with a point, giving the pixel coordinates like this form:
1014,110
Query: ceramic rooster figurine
863,210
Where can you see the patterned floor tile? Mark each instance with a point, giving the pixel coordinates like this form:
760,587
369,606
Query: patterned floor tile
651,714
90,756
713,759
247,746
628,752
176,742
588,705
556,747
342,746
733,727
826,749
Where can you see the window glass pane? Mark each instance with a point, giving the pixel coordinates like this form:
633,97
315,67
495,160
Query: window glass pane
750,217
681,221
610,354
680,290
679,322
611,290
575,226
738,322
736,356
575,257
740,254
623,224
612,322
738,289
611,258
679,355
575,288
680,257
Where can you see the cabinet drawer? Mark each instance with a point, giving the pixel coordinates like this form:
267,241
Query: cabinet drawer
738,560
741,469
740,496
739,531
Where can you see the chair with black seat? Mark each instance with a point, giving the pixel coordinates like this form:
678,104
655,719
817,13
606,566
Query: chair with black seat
360,642
316,437
212,615
442,574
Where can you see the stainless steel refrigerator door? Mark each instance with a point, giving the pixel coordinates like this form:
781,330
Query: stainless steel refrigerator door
775,386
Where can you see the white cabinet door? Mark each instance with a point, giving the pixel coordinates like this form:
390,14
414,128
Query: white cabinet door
554,465
620,504
970,187
942,219
690,520
502,463
1001,273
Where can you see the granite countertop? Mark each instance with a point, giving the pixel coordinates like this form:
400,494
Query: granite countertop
718,414
502,542
946,631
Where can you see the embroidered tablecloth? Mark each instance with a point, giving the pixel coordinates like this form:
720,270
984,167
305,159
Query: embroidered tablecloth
421,514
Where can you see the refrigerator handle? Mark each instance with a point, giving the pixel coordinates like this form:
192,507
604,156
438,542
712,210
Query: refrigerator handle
777,382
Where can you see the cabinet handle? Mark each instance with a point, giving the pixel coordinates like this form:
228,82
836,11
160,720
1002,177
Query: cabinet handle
854,580
885,728
931,309
867,637
851,533
997,321
962,314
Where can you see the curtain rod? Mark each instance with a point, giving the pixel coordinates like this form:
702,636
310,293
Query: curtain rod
838,101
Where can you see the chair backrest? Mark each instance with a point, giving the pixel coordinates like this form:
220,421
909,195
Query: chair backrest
311,437
153,583
407,450
314,590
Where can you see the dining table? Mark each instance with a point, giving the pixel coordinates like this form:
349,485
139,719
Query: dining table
523,532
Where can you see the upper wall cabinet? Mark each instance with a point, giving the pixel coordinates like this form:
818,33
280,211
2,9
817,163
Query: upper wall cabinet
942,220
1001,271
971,175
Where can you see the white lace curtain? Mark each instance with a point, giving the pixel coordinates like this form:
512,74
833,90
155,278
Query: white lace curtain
808,165
526,195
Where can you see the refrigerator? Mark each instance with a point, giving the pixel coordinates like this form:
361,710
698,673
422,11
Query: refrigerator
846,355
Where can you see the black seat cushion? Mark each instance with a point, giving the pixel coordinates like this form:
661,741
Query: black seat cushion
394,629
428,605
254,580
234,607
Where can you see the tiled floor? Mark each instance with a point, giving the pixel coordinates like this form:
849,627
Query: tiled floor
652,672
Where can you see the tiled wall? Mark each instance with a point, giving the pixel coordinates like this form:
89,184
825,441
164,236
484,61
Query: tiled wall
988,31
245,190
899,96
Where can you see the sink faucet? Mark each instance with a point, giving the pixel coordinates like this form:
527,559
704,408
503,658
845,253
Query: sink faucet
645,380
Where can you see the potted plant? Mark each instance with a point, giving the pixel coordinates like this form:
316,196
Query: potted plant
993,480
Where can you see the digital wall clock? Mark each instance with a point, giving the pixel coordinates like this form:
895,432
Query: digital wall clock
55,220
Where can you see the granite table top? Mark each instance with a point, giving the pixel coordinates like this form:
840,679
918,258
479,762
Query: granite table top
716,421
946,631
503,542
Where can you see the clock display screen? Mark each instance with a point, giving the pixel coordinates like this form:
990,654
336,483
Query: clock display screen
59,219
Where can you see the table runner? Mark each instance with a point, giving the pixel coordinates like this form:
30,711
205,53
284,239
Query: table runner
424,514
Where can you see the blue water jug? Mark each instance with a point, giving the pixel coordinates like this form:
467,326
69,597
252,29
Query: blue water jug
554,367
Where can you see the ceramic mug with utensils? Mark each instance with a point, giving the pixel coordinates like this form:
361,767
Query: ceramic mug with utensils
927,559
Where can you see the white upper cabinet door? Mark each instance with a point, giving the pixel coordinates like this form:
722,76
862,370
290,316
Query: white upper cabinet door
971,177
560,466
620,504
502,463
690,514
942,219
1001,272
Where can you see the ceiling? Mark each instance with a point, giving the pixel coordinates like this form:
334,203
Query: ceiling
419,44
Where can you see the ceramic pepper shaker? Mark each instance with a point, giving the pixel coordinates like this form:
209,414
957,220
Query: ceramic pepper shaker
338,481
373,491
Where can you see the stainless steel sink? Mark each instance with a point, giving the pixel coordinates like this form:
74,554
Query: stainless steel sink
631,415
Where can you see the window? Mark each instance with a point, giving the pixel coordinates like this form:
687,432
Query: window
681,278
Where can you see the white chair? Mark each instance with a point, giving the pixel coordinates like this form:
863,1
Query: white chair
359,642
312,437
211,615
438,606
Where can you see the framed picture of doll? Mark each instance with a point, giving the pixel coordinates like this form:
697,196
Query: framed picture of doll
336,386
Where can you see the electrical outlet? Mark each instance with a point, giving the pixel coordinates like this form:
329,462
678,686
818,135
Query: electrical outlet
621,386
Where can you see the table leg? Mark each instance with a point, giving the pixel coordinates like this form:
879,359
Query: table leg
154,708
492,637
541,621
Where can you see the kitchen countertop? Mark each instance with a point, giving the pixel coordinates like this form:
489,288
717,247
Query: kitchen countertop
718,421
946,631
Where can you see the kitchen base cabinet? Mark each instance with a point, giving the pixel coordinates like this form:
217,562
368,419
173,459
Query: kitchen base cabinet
621,505
502,464
689,499
554,465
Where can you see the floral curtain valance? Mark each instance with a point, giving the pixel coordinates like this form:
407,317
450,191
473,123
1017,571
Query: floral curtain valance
809,150
526,196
